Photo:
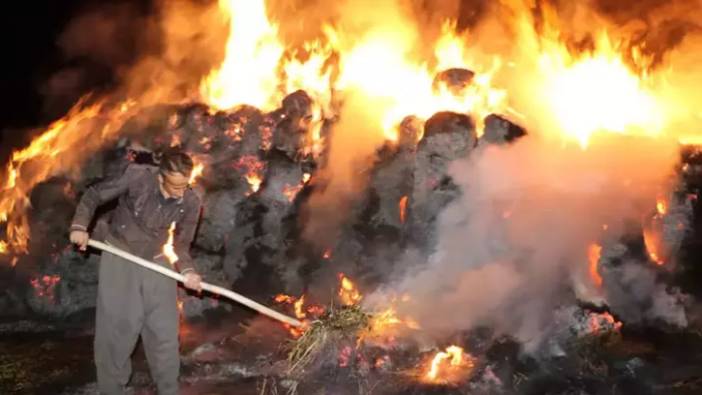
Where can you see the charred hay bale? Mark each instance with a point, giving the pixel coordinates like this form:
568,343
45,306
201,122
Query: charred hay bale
209,266
242,244
455,80
218,218
447,136
390,186
499,130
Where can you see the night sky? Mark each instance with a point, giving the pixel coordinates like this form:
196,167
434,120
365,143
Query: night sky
31,57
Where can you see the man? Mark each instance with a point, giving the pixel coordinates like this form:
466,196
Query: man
133,300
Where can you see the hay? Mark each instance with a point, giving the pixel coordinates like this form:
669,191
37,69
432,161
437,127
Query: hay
335,325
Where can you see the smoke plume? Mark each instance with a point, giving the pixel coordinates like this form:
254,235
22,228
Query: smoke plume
509,245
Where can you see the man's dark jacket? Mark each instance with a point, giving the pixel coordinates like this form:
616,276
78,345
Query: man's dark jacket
143,216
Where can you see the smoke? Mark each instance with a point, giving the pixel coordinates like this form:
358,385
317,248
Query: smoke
508,247
95,46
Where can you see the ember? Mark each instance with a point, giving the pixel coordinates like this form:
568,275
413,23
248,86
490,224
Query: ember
44,287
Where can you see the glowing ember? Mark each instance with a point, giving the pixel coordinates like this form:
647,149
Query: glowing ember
593,256
449,366
661,206
197,172
348,293
403,208
44,287
603,322
327,254
291,191
3,247
168,249
345,356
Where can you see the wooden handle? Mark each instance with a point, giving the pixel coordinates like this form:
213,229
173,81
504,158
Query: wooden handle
205,286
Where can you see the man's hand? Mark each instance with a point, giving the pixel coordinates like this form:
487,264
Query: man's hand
80,238
193,281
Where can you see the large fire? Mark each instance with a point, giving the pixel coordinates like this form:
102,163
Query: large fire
576,92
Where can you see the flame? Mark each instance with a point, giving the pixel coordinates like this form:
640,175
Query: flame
575,94
197,172
327,254
248,73
598,322
168,249
291,191
654,245
459,365
253,171
3,247
398,86
661,206
403,208
348,293
593,255
301,312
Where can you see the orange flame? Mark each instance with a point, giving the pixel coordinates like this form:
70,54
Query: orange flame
254,169
168,249
348,293
449,365
593,255
197,172
654,246
253,52
403,208
661,206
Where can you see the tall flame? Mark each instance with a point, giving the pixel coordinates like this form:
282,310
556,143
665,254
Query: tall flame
593,256
248,73
168,248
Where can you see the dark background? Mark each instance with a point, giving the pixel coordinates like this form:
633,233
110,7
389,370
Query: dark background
32,56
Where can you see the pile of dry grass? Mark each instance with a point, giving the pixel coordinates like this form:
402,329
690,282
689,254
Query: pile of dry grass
338,324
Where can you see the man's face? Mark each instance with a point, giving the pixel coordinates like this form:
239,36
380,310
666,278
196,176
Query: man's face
174,184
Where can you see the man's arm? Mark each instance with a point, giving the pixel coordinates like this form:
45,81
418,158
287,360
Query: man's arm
185,233
99,194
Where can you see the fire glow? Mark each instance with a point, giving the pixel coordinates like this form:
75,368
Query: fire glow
449,366
593,255
348,293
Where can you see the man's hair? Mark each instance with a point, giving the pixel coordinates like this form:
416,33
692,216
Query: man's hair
175,161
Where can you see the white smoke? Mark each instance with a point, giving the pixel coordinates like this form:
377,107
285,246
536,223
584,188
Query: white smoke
510,246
